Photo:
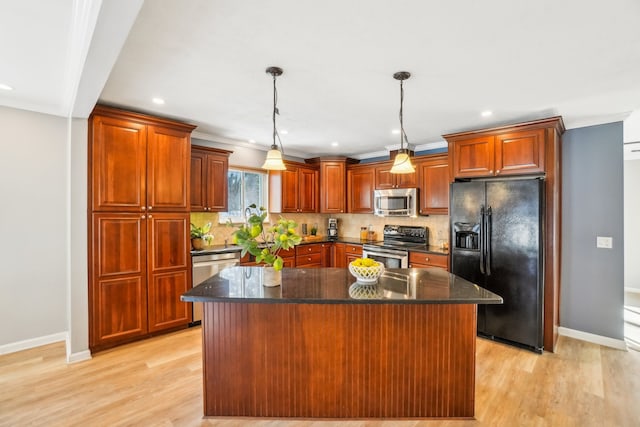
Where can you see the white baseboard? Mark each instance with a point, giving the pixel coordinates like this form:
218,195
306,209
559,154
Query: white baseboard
632,290
32,342
80,356
593,338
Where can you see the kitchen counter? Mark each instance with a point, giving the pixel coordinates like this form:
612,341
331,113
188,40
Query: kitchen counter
338,286
349,240
321,346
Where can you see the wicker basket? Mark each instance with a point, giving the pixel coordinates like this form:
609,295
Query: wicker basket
366,274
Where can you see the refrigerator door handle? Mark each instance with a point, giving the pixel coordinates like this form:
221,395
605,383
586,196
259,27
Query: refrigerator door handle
482,239
488,241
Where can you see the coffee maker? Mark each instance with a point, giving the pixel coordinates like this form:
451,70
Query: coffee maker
332,231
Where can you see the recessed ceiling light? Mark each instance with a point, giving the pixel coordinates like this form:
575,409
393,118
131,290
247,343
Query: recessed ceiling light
5,87
158,101
395,131
284,131
252,141
334,144
486,113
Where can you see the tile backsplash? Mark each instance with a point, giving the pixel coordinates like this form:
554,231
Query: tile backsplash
348,225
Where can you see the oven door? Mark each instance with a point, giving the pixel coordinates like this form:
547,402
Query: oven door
391,258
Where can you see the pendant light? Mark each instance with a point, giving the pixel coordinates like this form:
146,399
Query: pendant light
402,162
274,155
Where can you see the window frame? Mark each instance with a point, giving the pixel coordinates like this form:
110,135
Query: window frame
223,217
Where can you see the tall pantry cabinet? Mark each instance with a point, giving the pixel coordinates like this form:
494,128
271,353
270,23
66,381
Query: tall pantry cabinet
138,225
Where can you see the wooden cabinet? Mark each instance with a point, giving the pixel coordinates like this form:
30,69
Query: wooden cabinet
352,252
427,260
294,190
209,167
139,226
360,186
433,183
385,179
524,148
136,164
333,183
510,153
288,259
309,255
344,253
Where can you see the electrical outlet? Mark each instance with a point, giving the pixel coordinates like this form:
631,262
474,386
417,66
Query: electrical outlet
604,242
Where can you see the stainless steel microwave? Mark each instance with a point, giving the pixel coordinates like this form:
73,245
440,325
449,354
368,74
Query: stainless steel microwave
396,202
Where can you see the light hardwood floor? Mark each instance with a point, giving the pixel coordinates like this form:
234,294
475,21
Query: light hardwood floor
157,382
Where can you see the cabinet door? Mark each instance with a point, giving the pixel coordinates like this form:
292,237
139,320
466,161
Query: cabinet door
434,186
332,185
290,189
406,180
428,260
118,291
216,184
327,255
168,270
520,152
308,188
339,255
118,164
360,186
384,178
168,162
198,181
473,157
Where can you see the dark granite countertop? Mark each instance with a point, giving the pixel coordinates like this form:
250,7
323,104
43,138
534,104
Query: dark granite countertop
338,286
215,249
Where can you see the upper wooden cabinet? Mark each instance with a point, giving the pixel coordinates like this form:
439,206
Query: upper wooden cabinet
333,182
209,167
360,186
512,152
294,189
385,179
138,163
433,182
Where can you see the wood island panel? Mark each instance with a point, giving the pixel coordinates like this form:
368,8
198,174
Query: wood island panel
339,360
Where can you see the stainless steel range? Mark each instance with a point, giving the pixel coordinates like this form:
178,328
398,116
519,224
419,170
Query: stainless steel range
393,251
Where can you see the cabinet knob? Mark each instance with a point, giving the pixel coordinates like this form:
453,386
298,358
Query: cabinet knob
150,216
498,171
426,258
150,207
143,208
142,216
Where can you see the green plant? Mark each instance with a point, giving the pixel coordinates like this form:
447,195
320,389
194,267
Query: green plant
201,232
265,242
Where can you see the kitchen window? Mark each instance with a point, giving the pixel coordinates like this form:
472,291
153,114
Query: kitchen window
245,187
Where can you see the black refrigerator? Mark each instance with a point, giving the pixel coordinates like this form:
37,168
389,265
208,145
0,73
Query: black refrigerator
496,242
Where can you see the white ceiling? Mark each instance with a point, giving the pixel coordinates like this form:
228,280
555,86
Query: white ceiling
207,59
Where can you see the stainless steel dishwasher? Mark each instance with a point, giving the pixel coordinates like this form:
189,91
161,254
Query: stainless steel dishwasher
208,265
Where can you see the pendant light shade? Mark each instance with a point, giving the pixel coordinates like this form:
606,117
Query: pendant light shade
274,155
402,162
273,161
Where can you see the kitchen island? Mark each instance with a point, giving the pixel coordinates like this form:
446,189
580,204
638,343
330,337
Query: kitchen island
323,346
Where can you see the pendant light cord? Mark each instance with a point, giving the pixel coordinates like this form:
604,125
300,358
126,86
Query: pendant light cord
403,135
275,111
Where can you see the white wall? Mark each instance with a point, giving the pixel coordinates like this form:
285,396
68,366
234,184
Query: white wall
631,224
33,227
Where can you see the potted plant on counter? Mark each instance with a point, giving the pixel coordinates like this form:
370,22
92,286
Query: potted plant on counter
200,235
266,241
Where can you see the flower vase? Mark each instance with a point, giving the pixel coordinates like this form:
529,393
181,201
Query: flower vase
271,277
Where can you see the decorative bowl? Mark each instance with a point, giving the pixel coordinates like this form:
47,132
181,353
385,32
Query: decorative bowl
366,274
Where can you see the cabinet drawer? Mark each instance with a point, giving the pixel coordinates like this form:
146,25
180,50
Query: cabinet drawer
308,249
310,260
434,260
353,249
